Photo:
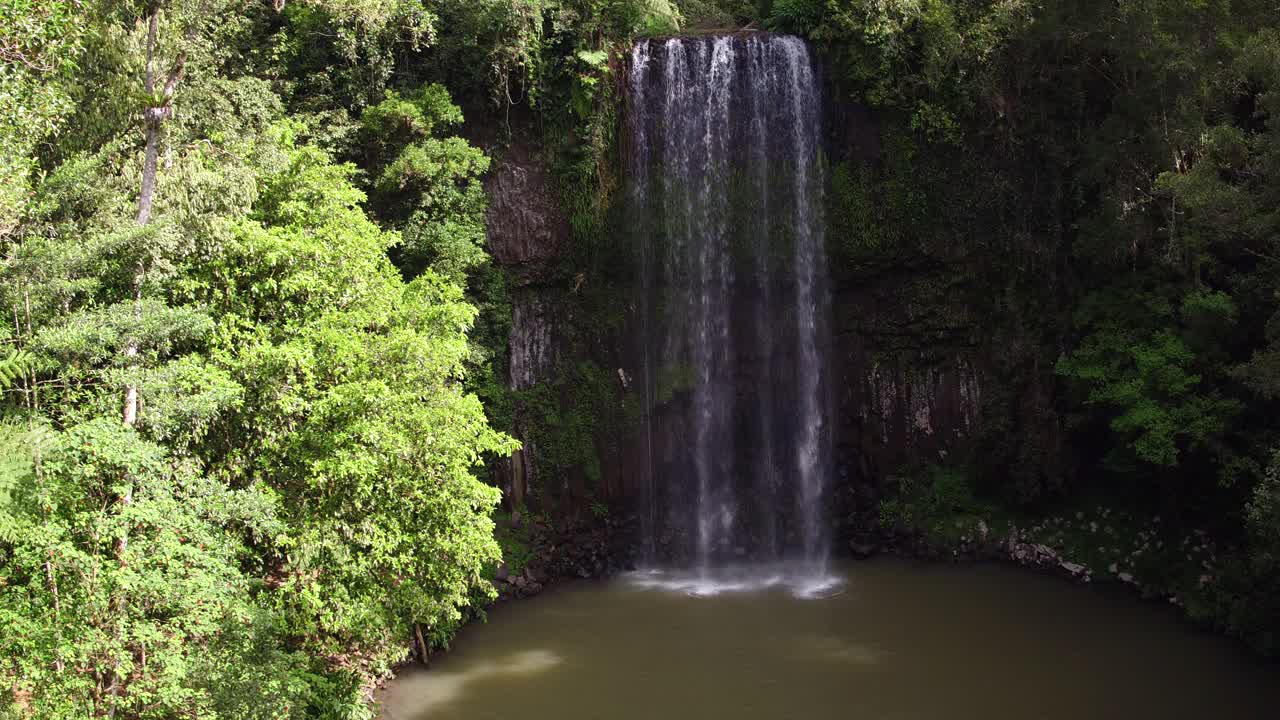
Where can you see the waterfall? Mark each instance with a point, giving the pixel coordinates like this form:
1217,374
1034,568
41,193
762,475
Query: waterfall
725,185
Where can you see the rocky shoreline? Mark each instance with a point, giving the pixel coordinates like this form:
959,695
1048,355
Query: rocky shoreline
580,551
1083,548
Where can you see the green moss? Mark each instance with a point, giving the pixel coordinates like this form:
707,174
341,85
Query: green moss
516,542
489,290
673,379
853,232
574,417
938,502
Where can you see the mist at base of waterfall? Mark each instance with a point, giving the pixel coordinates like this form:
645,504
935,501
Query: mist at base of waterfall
797,578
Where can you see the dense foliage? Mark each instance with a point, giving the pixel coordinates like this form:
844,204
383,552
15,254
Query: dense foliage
240,462
1096,183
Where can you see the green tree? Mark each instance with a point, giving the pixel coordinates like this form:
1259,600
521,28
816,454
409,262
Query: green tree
248,408
1148,379
40,43
98,627
426,185
352,394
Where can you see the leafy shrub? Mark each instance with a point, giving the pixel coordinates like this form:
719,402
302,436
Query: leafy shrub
796,16
932,500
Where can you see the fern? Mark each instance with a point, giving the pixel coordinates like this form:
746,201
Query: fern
660,17
12,367
20,451
20,445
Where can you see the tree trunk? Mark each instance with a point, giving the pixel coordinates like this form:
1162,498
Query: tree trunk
518,479
423,655
158,109
152,117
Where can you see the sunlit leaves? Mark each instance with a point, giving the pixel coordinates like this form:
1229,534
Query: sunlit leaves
399,120
146,588
40,44
352,393
428,186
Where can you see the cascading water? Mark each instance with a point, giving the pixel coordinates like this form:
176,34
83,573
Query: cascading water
726,189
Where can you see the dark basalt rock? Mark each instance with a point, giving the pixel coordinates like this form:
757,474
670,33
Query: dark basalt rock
527,229
862,551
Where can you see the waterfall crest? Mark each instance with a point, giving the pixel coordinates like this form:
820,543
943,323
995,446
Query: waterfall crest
725,182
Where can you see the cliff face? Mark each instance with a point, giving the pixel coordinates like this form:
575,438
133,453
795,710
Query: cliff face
527,231
939,331
921,371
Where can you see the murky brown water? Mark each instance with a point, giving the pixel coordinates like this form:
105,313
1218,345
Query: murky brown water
899,642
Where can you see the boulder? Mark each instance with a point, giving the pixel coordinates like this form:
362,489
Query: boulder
1073,568
862,551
